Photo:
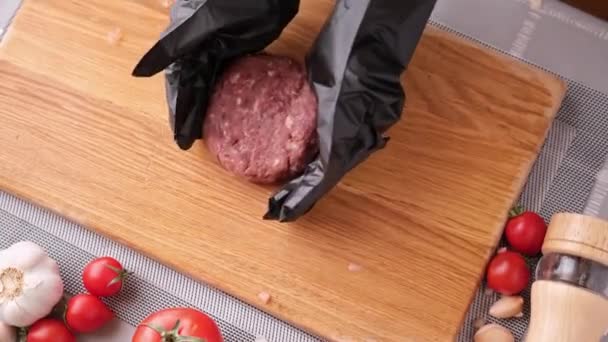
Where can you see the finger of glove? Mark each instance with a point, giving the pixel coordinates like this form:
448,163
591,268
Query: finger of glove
248,18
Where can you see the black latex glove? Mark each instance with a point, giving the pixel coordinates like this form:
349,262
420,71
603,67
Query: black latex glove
202,37
355,66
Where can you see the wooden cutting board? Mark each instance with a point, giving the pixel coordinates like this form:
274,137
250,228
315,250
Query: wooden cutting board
80,136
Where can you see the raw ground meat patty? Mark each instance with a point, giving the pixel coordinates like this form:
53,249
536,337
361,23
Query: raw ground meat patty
261,120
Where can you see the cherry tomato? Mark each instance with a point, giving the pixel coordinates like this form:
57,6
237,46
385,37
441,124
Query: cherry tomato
86,313
508,273
169,324
525,232
103,277
49,330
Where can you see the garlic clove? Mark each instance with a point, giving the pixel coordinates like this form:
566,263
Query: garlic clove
507,307
24,255
43,285
493,333
11,312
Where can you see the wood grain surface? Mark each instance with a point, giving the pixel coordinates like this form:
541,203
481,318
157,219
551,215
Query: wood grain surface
580,235
561,312
83,138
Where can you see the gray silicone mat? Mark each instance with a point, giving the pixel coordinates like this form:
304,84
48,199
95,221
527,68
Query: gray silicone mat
568,169
566,173
150,288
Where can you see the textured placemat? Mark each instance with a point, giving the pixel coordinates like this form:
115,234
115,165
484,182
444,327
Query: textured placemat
597,204
151,287
567,170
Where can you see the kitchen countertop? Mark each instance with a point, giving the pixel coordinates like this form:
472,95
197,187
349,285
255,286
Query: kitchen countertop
580,51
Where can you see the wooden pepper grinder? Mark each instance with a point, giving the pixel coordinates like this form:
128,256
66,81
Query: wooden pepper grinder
570,294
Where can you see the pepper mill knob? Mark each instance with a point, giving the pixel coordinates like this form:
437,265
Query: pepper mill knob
569,300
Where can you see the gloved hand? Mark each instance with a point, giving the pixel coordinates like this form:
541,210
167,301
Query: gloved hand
202,37
355,66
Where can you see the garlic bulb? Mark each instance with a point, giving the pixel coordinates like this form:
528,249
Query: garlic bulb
30,284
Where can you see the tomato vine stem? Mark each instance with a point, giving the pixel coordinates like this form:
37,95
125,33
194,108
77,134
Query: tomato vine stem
173,335
516,211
